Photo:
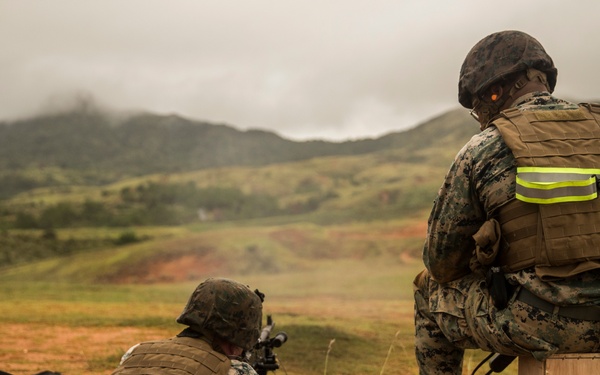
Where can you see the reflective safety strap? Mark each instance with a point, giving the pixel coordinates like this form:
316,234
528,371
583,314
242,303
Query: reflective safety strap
546,185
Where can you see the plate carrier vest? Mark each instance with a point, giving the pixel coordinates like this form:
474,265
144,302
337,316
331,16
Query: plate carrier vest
554,221
177,355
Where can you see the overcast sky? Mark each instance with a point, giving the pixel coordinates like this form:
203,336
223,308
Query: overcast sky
305,69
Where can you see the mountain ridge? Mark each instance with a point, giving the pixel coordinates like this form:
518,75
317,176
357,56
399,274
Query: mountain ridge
100,149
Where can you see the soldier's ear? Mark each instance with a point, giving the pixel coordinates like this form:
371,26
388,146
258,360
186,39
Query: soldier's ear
495,93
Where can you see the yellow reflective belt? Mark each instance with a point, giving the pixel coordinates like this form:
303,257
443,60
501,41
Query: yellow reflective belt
546,185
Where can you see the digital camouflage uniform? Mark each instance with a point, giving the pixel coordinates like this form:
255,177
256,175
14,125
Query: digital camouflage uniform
453,307
241,368
477,224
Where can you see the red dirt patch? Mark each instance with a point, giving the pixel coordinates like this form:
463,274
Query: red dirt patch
418,230
169,268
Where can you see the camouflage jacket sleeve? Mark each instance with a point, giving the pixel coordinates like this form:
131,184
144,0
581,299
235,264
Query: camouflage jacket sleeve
480,180
241,368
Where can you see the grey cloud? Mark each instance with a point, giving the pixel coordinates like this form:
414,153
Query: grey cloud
327,69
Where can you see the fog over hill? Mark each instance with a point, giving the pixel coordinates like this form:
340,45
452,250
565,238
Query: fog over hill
92,146
87,139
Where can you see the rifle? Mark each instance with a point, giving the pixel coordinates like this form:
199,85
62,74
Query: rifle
262,357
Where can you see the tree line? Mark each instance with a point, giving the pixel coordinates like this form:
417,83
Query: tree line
151,204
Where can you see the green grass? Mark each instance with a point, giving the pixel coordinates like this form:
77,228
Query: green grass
347,188
349,283
272,249
314,306
370,318
336,279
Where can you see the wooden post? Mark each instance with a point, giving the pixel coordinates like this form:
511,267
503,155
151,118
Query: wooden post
561,364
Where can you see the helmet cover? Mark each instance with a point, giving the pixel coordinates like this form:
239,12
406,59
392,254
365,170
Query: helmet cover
498,55
227,309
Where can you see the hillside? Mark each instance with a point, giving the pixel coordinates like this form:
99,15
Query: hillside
64,174
88,147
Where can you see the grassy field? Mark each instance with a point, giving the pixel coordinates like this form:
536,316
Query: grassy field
365,324
336,261
345,312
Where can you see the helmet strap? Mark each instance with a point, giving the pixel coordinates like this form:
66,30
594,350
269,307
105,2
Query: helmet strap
487,111
490,107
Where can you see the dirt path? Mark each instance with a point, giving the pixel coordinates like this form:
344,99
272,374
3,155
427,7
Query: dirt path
26,349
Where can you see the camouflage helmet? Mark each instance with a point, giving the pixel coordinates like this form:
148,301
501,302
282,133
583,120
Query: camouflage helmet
498,55
227,309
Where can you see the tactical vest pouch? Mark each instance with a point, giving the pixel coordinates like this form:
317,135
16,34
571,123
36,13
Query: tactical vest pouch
519,222
571,233
487,242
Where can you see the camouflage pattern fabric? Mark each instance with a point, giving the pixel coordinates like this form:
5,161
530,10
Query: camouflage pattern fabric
453,309
226,308
459,315
500,54
241,368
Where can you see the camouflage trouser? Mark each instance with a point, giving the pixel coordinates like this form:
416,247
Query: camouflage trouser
460,315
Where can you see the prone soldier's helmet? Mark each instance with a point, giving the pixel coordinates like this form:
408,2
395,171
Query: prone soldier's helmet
498,55
227,309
